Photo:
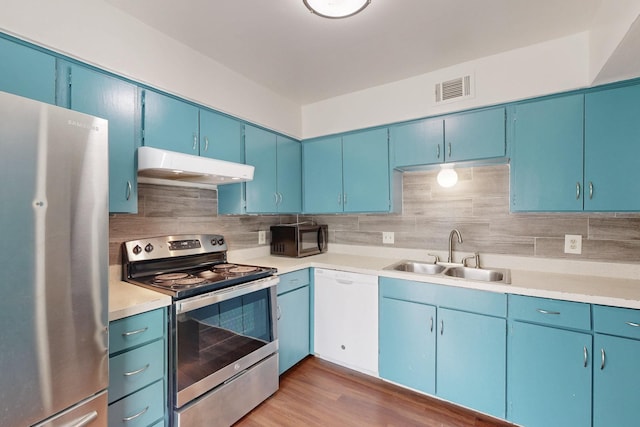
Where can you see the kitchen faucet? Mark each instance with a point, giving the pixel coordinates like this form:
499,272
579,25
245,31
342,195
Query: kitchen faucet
453,232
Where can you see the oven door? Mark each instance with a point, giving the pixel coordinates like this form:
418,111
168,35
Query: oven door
221,334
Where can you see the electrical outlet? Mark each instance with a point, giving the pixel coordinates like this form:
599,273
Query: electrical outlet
573,244
262,237
387,237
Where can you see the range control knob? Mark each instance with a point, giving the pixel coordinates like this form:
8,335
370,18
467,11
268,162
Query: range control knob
214,242
137,249
148,248
221,241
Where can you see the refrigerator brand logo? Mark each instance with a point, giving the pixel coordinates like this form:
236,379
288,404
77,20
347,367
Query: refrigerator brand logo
78,124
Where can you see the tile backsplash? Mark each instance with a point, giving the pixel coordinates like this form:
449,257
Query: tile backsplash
478,206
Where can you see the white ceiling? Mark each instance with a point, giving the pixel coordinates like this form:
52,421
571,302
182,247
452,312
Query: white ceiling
306,58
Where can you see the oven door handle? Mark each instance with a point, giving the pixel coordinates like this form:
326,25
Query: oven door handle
199,301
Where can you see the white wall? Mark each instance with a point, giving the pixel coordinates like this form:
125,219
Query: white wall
540,69
97,33
609,28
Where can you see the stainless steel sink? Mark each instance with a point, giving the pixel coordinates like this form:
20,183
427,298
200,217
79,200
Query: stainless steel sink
480,274
458,271
417,267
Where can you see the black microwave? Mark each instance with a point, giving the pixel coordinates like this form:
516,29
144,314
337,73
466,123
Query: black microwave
298,240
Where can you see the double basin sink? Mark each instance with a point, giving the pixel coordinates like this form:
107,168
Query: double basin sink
459,271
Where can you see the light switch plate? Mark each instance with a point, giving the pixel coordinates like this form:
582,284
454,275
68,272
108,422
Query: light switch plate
262,237
573,244
388,237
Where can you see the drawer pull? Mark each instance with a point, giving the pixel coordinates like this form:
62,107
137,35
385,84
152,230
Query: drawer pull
133,417
635,325
136,372
541,311
602,354
86,420
136,332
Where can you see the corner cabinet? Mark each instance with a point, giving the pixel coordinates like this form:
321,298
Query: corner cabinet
276,186
27,72
293,318
474,135
450,342
103,96
550,360
137,370
348,173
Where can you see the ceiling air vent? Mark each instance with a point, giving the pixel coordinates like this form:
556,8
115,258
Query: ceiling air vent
454,90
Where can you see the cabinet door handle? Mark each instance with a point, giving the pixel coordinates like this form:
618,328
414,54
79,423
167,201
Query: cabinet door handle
279,313
206,143
431,324
438,151
275,197
137,371
590,190
449,150
577,190
279,198
339,198
129,188
586,356
136,332
602,354
133,417
344,197
195,141
541,311
633,324
441,327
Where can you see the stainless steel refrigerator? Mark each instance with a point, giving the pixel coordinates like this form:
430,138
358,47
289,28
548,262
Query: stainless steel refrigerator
53,265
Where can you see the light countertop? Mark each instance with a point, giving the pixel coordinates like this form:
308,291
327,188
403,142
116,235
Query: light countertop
593,283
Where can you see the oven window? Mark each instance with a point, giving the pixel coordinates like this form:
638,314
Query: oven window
309,240
212,337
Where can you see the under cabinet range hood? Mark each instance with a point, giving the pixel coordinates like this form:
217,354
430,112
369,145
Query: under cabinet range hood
184,169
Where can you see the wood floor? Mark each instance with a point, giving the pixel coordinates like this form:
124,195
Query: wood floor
318,393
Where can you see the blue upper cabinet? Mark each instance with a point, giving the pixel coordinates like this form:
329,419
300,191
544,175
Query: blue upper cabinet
27,72
260,152
417,143
100,95
348,173
277,181
170,124
322,175
289,175
612,150
365,171
475,135
222,137
547,155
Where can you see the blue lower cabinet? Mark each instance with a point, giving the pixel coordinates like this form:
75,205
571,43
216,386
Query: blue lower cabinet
550,377
471,368
140,409
408,344
293,318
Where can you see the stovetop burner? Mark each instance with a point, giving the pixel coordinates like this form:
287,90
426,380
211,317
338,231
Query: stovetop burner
183,266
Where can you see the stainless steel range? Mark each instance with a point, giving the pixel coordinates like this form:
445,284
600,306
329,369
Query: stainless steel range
223,358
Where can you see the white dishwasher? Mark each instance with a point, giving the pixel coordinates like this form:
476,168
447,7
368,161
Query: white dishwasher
346,319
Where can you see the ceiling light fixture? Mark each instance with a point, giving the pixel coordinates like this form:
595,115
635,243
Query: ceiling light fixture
335,9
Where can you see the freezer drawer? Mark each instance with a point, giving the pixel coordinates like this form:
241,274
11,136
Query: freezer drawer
89,413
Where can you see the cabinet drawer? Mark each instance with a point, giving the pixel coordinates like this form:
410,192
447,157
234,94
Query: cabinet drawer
566,314
132,370
293,280
135,330
408,290
624,322
140,409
